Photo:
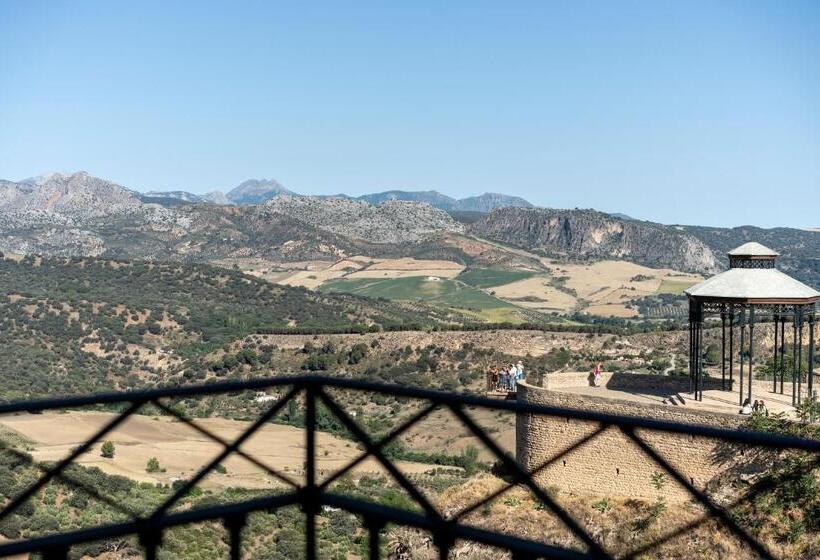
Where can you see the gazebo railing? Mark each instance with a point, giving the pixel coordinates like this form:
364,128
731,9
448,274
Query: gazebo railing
312,494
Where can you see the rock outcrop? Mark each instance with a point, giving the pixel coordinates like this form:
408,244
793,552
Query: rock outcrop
595,235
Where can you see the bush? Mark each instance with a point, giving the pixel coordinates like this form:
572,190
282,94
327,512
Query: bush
152,466
108,450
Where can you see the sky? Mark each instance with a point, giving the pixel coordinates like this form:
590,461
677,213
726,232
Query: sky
678,112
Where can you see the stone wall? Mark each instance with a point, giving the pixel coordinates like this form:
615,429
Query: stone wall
611,464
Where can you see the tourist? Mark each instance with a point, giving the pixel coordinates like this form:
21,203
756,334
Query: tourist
513,376
520,368
596,375
746,409
502,375
763,410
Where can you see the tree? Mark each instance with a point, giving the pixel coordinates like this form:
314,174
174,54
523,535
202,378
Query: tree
107,450
152,466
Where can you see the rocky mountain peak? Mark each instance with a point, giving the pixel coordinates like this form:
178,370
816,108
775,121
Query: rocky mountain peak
256,191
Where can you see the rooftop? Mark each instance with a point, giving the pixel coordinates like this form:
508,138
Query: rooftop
753,283
752,249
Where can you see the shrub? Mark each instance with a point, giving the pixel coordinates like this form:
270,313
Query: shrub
108,450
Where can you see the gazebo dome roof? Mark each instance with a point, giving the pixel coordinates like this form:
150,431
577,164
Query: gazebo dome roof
764,284
752,249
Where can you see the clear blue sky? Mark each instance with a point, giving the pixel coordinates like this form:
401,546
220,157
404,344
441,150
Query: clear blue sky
680,112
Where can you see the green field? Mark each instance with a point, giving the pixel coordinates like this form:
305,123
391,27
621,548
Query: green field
450,293
490,277
674,286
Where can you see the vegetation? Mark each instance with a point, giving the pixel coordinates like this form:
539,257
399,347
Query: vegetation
84,324
491,277
435,292
108,450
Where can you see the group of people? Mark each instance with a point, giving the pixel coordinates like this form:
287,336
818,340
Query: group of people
507,377
759,407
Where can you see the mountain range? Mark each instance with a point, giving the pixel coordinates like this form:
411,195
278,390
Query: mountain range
82,215
259,191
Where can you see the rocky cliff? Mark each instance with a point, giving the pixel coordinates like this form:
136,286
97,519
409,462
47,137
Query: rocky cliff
595,235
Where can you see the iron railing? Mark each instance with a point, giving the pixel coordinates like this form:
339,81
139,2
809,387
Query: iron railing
312,495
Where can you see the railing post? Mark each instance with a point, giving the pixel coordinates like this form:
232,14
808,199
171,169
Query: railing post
56,553
234,525
151,541
310,505
374,527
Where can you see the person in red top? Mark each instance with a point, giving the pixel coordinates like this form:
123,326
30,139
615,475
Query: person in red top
596,375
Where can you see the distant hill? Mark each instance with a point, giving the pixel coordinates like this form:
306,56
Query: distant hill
78,214
256,191
588,234
489,201
481,203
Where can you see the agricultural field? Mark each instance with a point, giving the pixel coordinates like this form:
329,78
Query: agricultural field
492,277
524,283
432,290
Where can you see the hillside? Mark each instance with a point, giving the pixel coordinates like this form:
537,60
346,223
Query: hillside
82,215
82,324
587,234
481,203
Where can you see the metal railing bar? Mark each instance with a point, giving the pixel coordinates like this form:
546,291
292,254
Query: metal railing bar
69,481
143,526
458,531
50,473
234,525
763,439
362,436
412,421
259,422
701,497
374,528
224,443
517,479
512,466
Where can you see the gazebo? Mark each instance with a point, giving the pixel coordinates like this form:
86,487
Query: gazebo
752,293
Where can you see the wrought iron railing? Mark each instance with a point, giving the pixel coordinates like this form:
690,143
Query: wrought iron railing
312,495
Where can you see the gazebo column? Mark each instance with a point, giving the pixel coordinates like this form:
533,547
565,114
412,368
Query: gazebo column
800,358
732,349
723,350
774,358
699,328
691,348
782,351
751,347
794,359
740,351
812,318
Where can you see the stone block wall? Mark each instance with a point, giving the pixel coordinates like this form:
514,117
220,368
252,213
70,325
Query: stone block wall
611,464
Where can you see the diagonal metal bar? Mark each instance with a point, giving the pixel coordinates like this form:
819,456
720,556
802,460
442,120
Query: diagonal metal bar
50,473
362,436
746,498
65,478
379,445
517,478
224,443
272,411
510,464
763,439
713,508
